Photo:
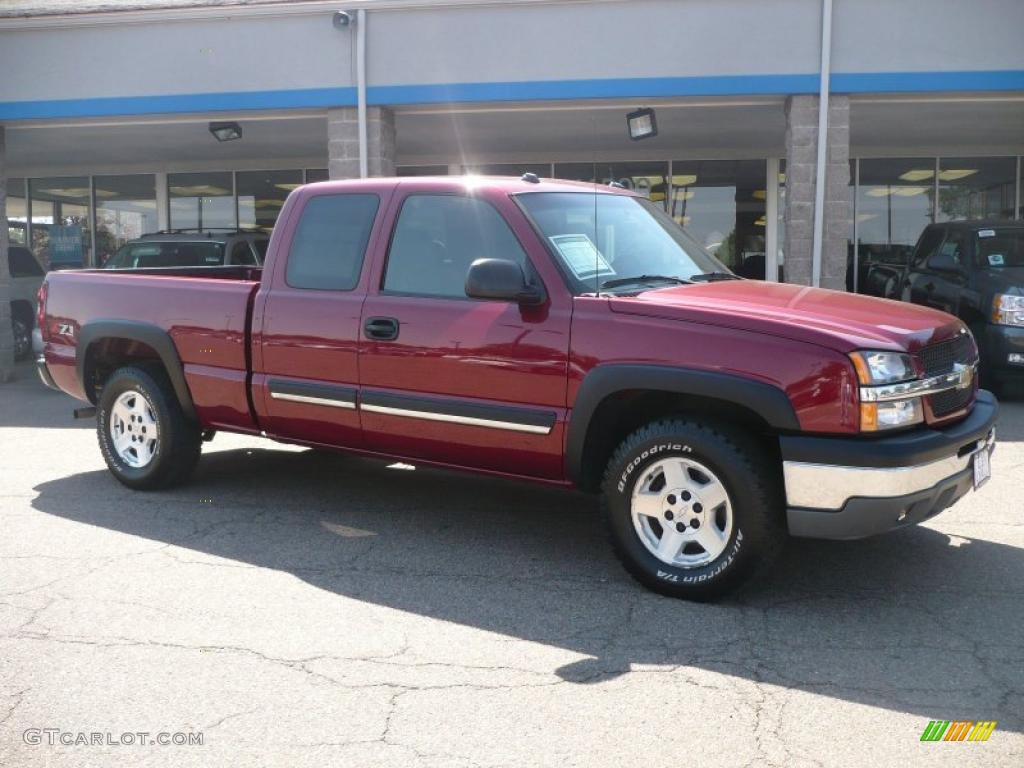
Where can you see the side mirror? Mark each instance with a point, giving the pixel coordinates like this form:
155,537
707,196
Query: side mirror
503,280
944,262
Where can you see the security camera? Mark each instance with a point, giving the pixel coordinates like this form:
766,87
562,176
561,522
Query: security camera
342,19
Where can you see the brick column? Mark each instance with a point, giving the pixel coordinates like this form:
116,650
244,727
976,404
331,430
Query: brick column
801,163
343,142
6,333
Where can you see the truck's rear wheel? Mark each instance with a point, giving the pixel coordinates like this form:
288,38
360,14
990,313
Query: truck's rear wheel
146,439
693,509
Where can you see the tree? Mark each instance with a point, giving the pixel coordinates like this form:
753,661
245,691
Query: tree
6,331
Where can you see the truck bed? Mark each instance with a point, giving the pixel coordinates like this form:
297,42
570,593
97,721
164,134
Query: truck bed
205,310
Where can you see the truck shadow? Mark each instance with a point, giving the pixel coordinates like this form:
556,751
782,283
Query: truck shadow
917,621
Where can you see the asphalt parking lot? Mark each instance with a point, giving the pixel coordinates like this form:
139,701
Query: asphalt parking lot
305,609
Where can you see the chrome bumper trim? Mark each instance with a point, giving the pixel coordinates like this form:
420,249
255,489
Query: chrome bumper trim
827,486
312,400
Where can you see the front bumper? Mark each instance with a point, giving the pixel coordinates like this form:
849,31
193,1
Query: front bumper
849,488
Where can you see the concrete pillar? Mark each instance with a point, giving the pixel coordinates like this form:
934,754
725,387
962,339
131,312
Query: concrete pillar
6,334
801,162
343,142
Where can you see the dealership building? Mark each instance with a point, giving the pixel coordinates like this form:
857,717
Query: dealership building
792,135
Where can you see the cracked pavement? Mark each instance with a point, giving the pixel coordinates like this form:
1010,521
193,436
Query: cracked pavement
332,610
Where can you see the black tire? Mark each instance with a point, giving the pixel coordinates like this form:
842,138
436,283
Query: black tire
22,338
751,479
177,451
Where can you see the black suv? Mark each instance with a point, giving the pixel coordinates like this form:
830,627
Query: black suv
975,270
192,248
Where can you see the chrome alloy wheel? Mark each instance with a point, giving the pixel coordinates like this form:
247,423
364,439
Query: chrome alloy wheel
134,429
682,512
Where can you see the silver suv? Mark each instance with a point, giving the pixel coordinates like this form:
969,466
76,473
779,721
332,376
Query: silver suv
192,248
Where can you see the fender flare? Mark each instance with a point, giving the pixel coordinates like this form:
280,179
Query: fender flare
145,333
768,401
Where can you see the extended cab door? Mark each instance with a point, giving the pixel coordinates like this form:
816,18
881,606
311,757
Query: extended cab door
918,274
462,381
306,318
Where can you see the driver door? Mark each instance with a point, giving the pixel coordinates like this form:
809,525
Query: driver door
450,379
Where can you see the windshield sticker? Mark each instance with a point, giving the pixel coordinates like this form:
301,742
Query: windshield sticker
581,256
986,233
995,260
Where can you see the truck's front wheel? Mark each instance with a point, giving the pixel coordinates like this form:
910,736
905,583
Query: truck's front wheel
692,508
146,439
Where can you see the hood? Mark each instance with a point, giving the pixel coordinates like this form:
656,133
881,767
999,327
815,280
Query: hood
834,319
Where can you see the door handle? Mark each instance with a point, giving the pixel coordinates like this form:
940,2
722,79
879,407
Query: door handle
381,328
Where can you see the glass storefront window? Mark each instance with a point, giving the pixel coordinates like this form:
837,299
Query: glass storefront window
421,170
17,212
201,200
649,179
316,174
508,169
722,203
261,195
125,210
61,237
894,204
976,188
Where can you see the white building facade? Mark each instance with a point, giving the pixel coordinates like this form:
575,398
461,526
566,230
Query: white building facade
106,114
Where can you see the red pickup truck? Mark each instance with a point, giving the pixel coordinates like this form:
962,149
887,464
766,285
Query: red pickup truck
550,331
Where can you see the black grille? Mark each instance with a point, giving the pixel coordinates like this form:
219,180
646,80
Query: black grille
939,359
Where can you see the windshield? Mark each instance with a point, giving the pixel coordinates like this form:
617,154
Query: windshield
168,254
616,242
1000,247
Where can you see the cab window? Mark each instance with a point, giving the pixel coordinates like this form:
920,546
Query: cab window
438,237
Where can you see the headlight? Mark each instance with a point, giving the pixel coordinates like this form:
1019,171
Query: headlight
876,368
882,367
1008,309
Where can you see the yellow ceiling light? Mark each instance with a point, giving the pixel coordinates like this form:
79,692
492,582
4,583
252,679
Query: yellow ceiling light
684,179
866,216
761,222
64,192
910,191
199,190
879,192
917,175
682,220
287,187
956,174
269,203
685,194
760,194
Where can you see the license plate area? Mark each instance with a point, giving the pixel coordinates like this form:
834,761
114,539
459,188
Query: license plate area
981,464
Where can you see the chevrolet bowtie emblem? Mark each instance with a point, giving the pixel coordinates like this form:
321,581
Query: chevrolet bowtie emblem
964,374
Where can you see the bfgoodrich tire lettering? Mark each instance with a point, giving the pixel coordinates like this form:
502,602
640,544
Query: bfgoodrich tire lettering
712,550
175,453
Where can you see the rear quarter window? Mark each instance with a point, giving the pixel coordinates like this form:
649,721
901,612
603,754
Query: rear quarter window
330,241
1000,247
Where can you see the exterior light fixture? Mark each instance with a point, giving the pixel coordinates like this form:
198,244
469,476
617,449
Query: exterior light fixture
226,131
642,124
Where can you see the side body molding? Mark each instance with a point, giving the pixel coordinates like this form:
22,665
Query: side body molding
144,333
768,401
